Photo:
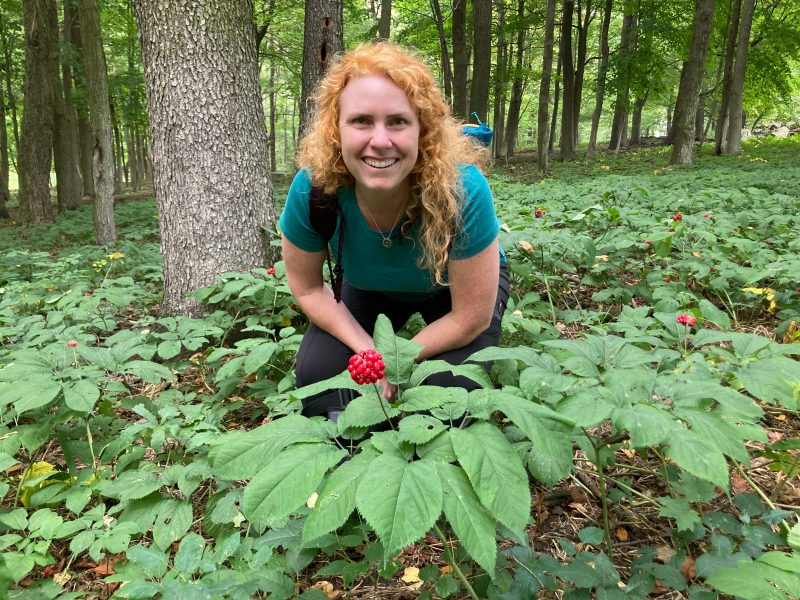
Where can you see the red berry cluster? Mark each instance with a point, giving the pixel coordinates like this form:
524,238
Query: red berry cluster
686,319
677,217
538,213
366,367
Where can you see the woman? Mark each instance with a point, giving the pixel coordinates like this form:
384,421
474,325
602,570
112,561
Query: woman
420,227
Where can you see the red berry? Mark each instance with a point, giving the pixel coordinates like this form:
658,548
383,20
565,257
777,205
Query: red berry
706,216
271,271
677,217
539,213
72,344
366,367
648,242
686,319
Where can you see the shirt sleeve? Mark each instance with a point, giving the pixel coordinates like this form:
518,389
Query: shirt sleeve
295,221
479,222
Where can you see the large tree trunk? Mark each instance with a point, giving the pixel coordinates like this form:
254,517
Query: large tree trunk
602,68
446,71
500,84
689,90
732,33
385,22
626,48
461,52
567,140
543,129
5,194
36,139
733,143
8,69
94,60
580,64
556,98
82,110
636,119
482,52
273,111
322,39
517,86
66,152
209,143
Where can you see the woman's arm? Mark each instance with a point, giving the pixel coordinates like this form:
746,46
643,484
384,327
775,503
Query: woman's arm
473,291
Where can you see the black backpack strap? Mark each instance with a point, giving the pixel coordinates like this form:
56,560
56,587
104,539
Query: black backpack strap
324,213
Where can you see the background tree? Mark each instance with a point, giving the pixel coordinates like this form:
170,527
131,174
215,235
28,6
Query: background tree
543,129
385,23
105,230
689,90
5,194
322,40
66,152
461,53
602,68
624,74
567,141
482,61
518,83
733,144
209,143
36,136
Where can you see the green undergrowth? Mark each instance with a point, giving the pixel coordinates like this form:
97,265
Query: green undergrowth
173,447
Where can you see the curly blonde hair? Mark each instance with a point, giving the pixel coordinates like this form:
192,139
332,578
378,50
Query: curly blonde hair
435,180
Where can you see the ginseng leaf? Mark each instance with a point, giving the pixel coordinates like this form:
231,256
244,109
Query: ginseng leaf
398,353
400,500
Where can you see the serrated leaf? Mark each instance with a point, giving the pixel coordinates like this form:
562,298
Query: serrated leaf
29,394
424,397
148,371
747,581
474,527
698,456
400,500
286,483
172,522
680,510
259,356
419,429
398,353
527,356
337,498
647,425
82,395
714,315
169,349
432,367
131,485
241,454
152,561
495,471
773,379
190,550
365,411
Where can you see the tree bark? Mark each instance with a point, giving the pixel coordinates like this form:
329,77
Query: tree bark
518,85
322,40
602,68
82,110
385,22
543,130
36,136
482,52
5,193
446,71
636,119
567,140
556,99
618,126
689,89
461,52
733,143
730,51
105,229
500,84
209,143
8,71
580,64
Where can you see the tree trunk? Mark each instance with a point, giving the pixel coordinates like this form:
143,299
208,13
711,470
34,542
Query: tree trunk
556,99
600,90
700,118
385,22
733,143
273,111
689,90
500,84
543,130
134,106
461,54
5,193
36,139
446,71
626,44
133,166
732,32
66,152
8,71
94,60
322,40
482,52
119,154
580,65
518,85
84,128
209,143
636,120
567,141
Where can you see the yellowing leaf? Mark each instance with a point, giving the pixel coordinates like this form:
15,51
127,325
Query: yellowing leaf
603,257
312,501
410,575
526,246
697,254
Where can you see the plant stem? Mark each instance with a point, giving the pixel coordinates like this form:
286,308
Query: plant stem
91,445
601,475
451,560
383,408
753,485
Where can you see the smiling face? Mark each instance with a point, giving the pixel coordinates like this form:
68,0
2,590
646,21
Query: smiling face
379,137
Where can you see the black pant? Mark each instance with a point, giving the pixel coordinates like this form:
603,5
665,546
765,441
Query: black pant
322,356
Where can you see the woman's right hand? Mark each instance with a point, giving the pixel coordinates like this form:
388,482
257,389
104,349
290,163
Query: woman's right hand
389,389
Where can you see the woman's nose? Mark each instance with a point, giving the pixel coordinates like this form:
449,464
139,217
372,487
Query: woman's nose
380,137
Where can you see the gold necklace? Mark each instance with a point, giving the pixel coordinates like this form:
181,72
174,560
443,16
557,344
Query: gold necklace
386,240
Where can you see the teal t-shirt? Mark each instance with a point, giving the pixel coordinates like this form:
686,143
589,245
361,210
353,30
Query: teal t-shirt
367,264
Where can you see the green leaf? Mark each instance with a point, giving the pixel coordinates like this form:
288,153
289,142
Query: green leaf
365,411
241,454
680,510
258,356
29,394
152,561
148,371
189,553
419,429
647,425
44,523
172,522
748,580
169,349
716,430
81,395
773,379
495,471
337,498
713,314
287,482
469,370
474,527
131,485
424,397
693,453
400,500
591,535
17,565
398,353
527,356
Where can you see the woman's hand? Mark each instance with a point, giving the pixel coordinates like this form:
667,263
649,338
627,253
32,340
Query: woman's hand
389,389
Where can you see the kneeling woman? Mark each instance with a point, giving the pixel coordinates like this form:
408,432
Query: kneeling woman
420,229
